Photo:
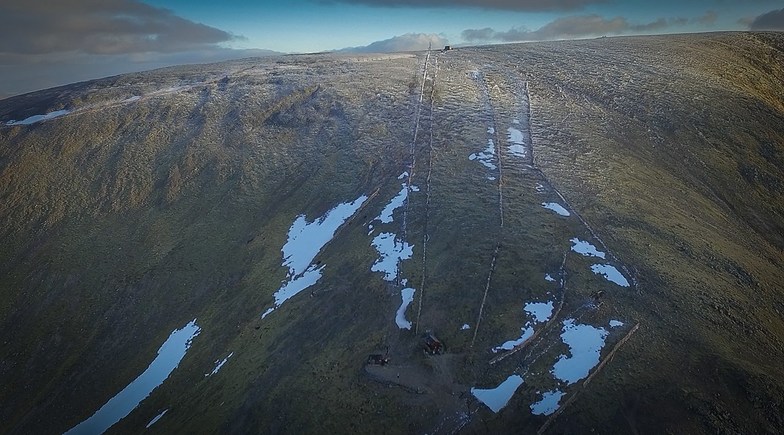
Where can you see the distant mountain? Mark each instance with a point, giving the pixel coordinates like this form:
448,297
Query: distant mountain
557,237
25,76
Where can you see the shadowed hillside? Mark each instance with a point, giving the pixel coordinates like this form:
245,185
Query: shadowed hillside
591,229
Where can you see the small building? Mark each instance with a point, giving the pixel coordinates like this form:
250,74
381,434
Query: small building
431,344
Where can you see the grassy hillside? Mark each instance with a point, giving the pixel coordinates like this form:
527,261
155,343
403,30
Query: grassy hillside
167,196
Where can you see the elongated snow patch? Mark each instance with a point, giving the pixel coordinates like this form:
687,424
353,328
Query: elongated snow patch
610,273
38,118
497,398
407,294
584,248
516,142
509,345
538,312
395,203
305,241
218,365
558,208
156,418
171,352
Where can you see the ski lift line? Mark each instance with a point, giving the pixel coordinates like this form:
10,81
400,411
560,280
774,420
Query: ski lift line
498,150
412,154
573,397
417,120
484,297
425,236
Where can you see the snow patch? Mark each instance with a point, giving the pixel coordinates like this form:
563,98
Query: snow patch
549,278
386,214
516,144
465,327
218,364
615,323
509,345
305,241
585,248
548,404
486,157
558,208
295,286
585,344
156,418
540,311
38,118
400,318
171,352
610,273
391,251
497,398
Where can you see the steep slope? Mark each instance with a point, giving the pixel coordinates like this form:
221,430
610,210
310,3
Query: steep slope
296,214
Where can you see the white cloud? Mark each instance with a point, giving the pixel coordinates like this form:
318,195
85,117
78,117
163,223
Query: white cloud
407,42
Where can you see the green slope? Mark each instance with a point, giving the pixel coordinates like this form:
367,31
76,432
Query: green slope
125,219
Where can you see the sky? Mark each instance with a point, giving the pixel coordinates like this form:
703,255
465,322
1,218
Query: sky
46,43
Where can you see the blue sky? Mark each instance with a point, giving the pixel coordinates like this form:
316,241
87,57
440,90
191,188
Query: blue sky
45,43
313,25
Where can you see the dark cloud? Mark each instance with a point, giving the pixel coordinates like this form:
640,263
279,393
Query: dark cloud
407,42
515,5
773,20
99,27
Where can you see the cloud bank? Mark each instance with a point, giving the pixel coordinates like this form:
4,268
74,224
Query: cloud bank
407,42
773,20
99,27
581,26
512,5
51,43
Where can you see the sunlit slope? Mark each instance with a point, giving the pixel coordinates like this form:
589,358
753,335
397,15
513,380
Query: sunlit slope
124,221
291,205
